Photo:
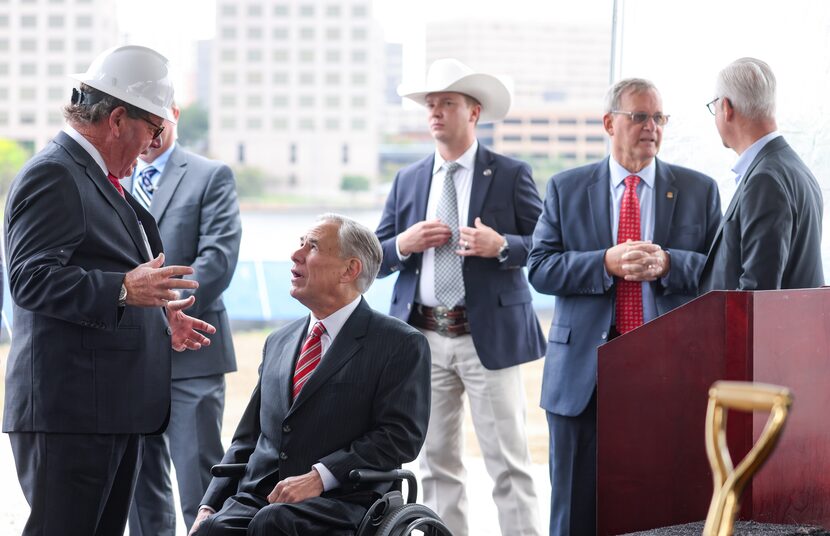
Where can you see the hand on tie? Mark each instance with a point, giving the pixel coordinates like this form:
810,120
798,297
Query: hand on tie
151,285
479,241
422,236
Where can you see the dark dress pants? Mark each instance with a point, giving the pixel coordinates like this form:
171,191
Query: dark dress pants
193,440
247,514
573,472
76,484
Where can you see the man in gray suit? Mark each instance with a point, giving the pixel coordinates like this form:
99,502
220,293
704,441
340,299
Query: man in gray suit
770,237
95,313
354,394
193,199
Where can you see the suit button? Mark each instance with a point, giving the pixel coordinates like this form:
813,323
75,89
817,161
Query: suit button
604,334
283,456
408,306
286,429
168,331
417,271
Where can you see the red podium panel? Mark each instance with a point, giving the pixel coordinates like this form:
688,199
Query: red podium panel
652,391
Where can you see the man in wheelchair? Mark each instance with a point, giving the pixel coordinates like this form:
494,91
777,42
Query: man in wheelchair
342,389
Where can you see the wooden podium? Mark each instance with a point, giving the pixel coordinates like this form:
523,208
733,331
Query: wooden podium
652,391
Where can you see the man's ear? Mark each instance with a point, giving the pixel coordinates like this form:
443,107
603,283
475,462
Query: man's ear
353,270
608,123
117,120
728,109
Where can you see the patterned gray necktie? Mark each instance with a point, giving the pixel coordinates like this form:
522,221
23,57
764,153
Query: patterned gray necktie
145,188
449,276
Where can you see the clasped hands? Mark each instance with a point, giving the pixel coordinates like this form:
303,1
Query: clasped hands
154,285
478,241
637,261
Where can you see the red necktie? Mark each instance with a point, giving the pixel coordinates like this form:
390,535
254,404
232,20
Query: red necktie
114,180
309,358
629,293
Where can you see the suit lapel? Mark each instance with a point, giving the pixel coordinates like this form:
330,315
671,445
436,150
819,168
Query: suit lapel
599,203
423,182
483,174
174,170
342,350
288,352
665,199
102,183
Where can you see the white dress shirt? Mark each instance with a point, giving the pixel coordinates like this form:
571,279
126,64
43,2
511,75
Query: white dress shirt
746,158
463,180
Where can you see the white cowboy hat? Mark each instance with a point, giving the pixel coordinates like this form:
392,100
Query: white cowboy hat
449,74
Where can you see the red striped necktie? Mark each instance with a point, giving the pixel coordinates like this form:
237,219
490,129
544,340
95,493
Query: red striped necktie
114,180
629,309
309,358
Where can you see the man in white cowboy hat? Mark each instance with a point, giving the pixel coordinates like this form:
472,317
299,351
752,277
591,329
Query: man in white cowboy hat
95,310
456,228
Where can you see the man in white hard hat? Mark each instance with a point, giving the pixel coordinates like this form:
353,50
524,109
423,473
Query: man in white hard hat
457,228
95,311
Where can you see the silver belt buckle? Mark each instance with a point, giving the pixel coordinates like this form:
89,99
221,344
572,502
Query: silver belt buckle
442,320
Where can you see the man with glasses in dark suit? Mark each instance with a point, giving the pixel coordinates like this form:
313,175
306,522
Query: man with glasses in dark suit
771,232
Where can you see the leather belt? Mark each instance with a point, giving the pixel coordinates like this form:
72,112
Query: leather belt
442,320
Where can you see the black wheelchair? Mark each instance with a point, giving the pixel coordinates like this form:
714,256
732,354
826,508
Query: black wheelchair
389,515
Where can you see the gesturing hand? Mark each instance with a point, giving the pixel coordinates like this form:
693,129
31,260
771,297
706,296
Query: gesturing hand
479,241
185,335
150,285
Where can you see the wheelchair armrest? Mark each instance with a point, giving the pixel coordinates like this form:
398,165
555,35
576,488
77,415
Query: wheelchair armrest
369,475
229,470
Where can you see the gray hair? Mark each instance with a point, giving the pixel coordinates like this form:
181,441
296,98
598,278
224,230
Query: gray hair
634,85
749,85
102,106
356,240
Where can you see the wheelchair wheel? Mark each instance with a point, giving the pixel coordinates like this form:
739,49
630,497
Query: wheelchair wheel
403,520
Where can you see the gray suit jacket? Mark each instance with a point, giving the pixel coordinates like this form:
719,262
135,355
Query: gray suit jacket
198,218
770,237
366,405
79,363
569,246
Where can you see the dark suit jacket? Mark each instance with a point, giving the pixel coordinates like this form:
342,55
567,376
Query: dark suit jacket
770,237
567,260
198,218
78,363
366,405
503,324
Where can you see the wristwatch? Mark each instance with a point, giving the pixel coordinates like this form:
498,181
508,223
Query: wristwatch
122,296
504,250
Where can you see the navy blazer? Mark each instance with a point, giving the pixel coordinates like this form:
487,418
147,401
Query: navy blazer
365,406
198,219
567,260
79,363
503,324
770,237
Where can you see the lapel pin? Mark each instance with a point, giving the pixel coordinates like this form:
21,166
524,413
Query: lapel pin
670,195
488,172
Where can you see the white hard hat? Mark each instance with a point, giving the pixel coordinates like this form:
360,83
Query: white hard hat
137,75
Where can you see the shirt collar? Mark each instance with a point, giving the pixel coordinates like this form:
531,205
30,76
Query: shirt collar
619,173
158,163
87,146
466,160
746,158
335,321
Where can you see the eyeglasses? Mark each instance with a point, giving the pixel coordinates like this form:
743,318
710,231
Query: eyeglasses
642,117
711,106
159,128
